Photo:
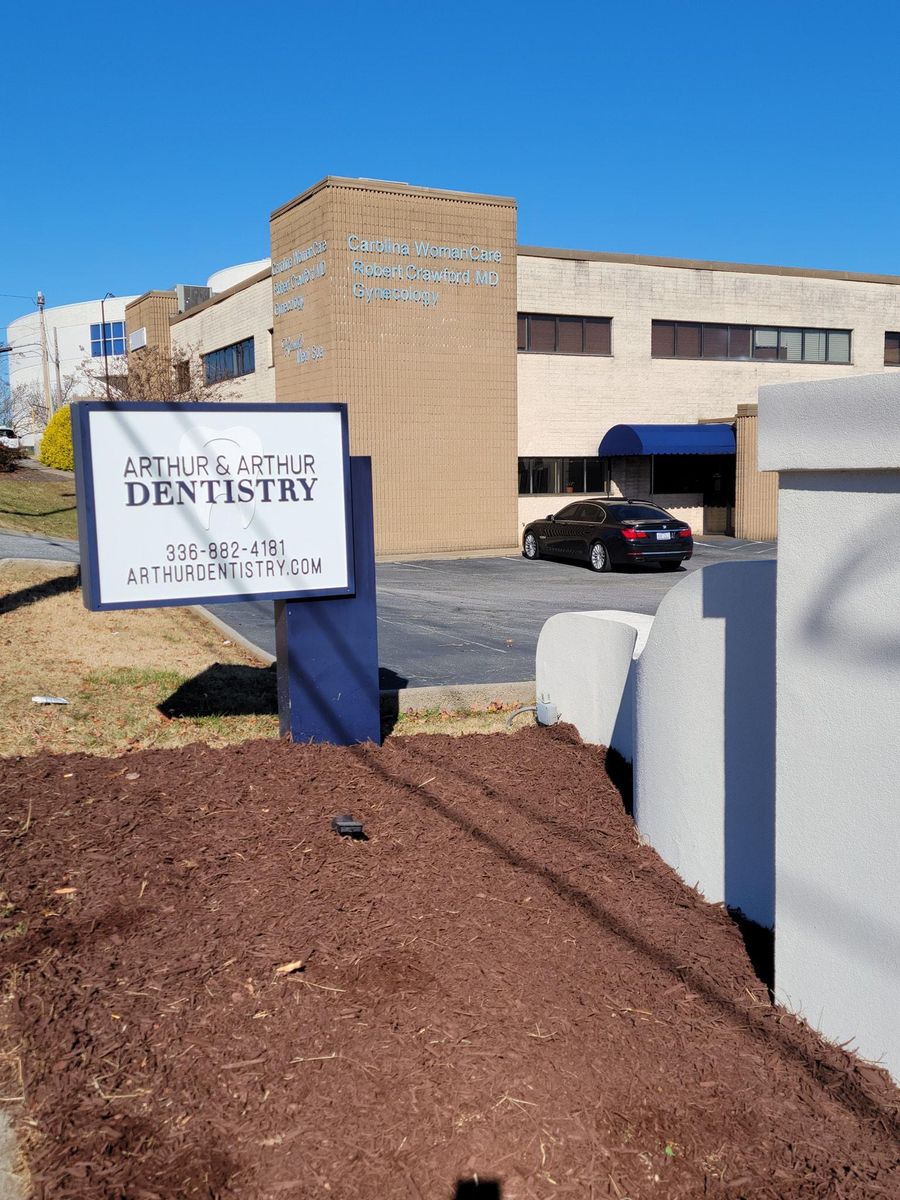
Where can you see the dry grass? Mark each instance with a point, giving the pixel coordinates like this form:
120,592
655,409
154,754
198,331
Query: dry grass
140,677
145,677
31,502
493,719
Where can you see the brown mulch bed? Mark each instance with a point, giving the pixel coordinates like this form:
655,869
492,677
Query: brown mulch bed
500,984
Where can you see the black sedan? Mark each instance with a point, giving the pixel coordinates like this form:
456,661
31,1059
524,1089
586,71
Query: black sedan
611,532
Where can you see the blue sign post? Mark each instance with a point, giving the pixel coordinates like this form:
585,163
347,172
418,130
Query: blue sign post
209,503
327,649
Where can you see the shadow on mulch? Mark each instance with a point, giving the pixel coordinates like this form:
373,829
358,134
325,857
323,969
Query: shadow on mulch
57,586
843,1088
621,776
759,942
477,1189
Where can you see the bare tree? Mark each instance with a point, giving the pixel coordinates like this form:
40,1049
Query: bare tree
28,408
155,375
6,410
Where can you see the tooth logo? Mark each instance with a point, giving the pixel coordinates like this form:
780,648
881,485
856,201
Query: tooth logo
225,448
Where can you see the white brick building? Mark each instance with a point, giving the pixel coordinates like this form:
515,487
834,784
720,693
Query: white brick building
666,341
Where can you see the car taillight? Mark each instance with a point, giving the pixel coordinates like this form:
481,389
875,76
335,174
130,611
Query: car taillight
630,534
684,532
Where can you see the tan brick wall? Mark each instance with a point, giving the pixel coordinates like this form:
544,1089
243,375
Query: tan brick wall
431,390
151,312
756,492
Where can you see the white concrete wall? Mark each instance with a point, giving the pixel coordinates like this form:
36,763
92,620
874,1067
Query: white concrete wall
72,325
247,313
704,734
837,945
585,665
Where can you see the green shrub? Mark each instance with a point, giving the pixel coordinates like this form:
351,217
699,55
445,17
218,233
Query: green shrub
56,444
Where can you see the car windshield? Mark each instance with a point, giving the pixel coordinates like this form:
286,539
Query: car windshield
637,512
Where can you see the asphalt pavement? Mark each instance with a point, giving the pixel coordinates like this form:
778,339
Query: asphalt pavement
27,545
477,620
464,620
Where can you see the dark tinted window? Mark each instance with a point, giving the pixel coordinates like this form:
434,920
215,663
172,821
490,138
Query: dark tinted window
229,362
687,341
597,339
573,474
558,476
569,513
591,512
542,333
715,341
739,341
595,475
637,512
662,339
570,335
765,343
696,339
892,348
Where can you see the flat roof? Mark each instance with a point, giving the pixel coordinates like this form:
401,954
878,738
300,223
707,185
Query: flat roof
637,260
385,185
696,264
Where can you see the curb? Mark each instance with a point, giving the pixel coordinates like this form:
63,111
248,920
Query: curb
455,697
39,562
263,656
452,696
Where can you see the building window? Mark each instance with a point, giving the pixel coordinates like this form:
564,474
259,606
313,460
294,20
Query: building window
543,334
892,349
229,362
695,339
110,341
562,476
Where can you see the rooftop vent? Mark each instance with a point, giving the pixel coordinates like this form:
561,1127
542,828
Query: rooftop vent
189,295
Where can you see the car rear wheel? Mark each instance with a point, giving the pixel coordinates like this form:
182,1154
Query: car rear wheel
599,557
530,547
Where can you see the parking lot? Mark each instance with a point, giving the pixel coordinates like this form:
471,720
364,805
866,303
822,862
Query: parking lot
477,620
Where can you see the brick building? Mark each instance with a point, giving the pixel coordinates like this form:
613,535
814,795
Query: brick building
463,357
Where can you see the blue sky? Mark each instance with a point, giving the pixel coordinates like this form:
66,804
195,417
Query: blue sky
146,144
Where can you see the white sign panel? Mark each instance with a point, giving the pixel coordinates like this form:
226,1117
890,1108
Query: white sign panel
185,504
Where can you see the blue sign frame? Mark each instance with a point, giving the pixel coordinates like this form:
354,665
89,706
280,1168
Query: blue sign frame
86,506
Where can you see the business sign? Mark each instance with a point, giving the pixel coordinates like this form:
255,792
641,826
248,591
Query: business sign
198,503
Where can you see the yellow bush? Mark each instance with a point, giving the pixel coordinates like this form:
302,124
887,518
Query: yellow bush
56,444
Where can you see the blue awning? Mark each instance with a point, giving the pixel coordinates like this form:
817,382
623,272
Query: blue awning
625,441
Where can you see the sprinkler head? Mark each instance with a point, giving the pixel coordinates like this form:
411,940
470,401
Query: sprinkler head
346,826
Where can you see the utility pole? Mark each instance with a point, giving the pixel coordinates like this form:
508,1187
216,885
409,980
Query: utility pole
56,361
45,357
108,296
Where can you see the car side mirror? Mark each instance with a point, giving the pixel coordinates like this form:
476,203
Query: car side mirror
551,516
